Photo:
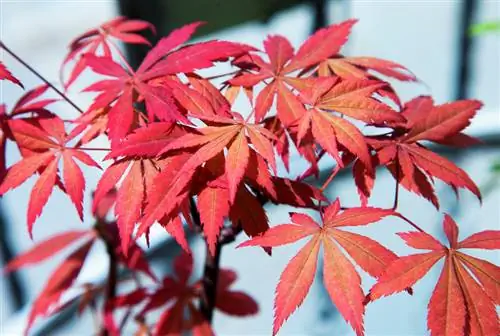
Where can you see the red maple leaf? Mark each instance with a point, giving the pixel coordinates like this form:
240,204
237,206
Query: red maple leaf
351,98
28,104
164,60
179,295
43,142
231,133
46,249
412,164
282,62
463,302
63,277
136,178
340,277
90,125
95,40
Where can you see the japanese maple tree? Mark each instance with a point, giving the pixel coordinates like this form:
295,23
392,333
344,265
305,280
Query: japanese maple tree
181,157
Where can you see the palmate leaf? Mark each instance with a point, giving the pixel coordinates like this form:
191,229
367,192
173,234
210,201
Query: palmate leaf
282,61
30,105
93,40
459,304
43,142
231,134
214,204
46,249
351,98
340,277
412,164
178,296
63,278
162,61
134,191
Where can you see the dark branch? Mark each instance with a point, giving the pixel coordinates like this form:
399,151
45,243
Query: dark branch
212,263
36,73
209,281
112,271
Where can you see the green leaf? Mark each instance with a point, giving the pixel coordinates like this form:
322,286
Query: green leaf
484,28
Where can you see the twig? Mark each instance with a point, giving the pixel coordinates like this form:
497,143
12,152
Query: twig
90,148
112,270
223,75
36,73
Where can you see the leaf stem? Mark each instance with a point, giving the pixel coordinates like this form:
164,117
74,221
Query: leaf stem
37,74
396,192
396,196
223,75
121,57
397,214
330,178
311,170
90,148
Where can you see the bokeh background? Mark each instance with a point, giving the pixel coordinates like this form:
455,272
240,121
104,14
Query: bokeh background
430,37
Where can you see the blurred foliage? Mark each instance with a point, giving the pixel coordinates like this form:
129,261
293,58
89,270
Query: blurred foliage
485,27
494,181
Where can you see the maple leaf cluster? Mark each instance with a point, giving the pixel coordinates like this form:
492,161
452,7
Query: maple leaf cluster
182,158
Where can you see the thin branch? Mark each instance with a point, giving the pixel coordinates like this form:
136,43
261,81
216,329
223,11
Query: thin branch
111,284
128,313
396,196
36,73
90,148
223,75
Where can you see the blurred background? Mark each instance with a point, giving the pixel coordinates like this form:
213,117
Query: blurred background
431,38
